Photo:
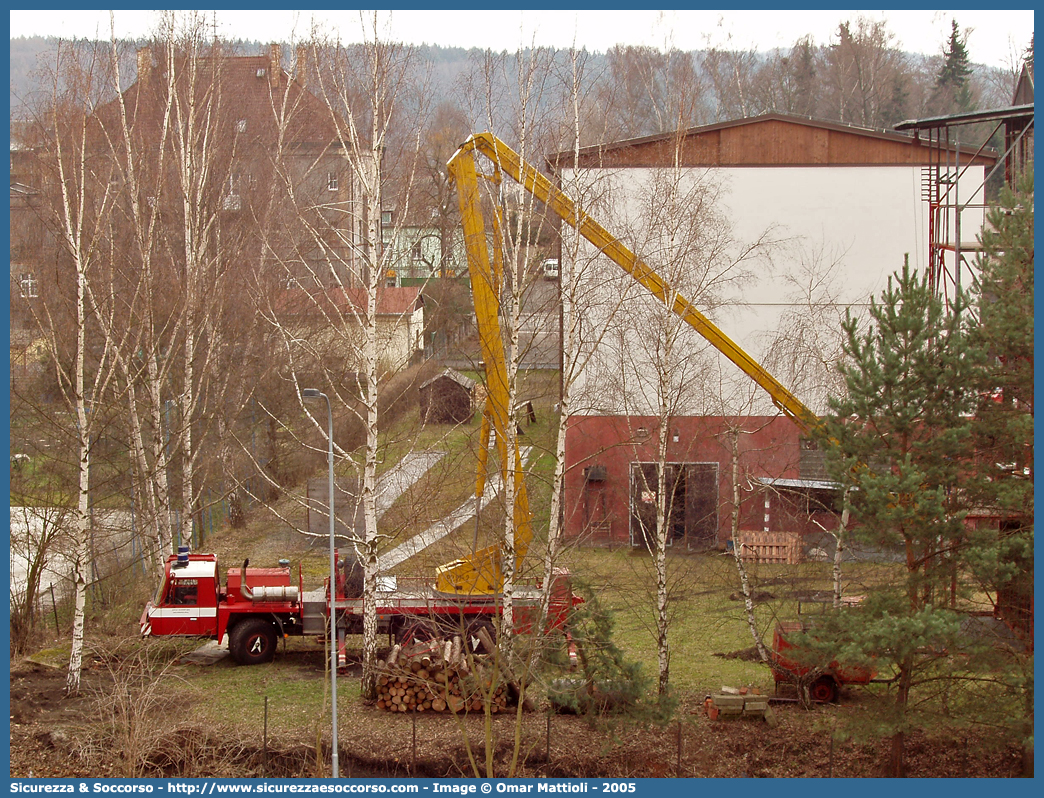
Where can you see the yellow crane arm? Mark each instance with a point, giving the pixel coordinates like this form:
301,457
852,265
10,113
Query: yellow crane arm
481,573
509,162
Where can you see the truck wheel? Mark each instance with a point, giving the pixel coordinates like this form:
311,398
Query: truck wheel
823,690
252,641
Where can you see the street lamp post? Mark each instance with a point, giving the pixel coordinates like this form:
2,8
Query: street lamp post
315,393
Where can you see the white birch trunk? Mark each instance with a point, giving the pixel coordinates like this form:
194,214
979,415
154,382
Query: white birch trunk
663,652
566,290
71,217
153,546
512,477
370,354
748,600
152,487
839,546
82,540
190,186
160,480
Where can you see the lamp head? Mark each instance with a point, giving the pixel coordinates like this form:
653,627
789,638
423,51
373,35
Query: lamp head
311,393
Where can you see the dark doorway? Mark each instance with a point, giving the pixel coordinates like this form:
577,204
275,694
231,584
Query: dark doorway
691,507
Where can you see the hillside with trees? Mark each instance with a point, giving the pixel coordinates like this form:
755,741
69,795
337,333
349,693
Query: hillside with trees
859,77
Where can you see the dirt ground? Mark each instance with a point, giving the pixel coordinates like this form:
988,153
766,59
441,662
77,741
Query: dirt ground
52,736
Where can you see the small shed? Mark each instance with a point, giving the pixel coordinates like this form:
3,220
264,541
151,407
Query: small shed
447,398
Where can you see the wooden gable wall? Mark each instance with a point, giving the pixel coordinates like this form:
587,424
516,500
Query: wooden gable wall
767,141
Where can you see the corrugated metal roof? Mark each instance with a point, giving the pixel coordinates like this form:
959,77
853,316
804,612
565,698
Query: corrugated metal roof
798,484
971,117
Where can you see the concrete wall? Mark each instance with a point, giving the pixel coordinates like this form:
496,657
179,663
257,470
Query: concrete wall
762,251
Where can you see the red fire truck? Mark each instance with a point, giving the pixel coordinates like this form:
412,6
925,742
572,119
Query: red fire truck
256,607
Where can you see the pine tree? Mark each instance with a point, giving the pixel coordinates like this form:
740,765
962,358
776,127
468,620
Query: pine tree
1004,294
900,439
952,93
1003,561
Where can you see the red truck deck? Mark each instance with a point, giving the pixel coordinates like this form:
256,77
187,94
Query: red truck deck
257,606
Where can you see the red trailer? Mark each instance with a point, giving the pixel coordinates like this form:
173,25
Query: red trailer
786,665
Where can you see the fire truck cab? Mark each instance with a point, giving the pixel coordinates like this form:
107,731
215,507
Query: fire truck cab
186,602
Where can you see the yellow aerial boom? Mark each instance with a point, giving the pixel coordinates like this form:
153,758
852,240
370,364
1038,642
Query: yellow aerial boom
481,573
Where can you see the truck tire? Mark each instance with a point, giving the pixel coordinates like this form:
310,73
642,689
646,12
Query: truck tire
823,690
252,641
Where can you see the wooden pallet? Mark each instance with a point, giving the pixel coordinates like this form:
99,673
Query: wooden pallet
771,547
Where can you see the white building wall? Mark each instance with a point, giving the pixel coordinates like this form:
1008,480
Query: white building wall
401,337
830,238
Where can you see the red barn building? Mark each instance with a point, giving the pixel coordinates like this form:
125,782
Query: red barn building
611,479
774,226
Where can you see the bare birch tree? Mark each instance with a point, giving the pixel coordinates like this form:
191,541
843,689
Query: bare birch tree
170,141
204,184
364,89
805,352
736,482
82,201
139,329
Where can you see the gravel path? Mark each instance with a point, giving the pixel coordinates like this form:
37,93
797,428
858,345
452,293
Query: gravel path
444,526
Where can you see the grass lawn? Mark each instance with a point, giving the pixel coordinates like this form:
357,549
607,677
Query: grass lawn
707,617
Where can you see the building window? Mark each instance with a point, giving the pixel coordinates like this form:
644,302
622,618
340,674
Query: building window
418,251
241,126
386,218
331,181
28,286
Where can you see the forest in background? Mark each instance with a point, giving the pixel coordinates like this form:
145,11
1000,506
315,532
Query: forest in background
859,77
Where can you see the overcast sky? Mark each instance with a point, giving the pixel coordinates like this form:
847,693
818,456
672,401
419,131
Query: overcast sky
995,38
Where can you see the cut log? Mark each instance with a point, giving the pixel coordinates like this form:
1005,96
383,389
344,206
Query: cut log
484,637
455,652
436,676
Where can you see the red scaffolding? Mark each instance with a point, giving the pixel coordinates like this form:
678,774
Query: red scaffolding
954,221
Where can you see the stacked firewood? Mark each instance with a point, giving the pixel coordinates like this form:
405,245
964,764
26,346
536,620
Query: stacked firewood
439,676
